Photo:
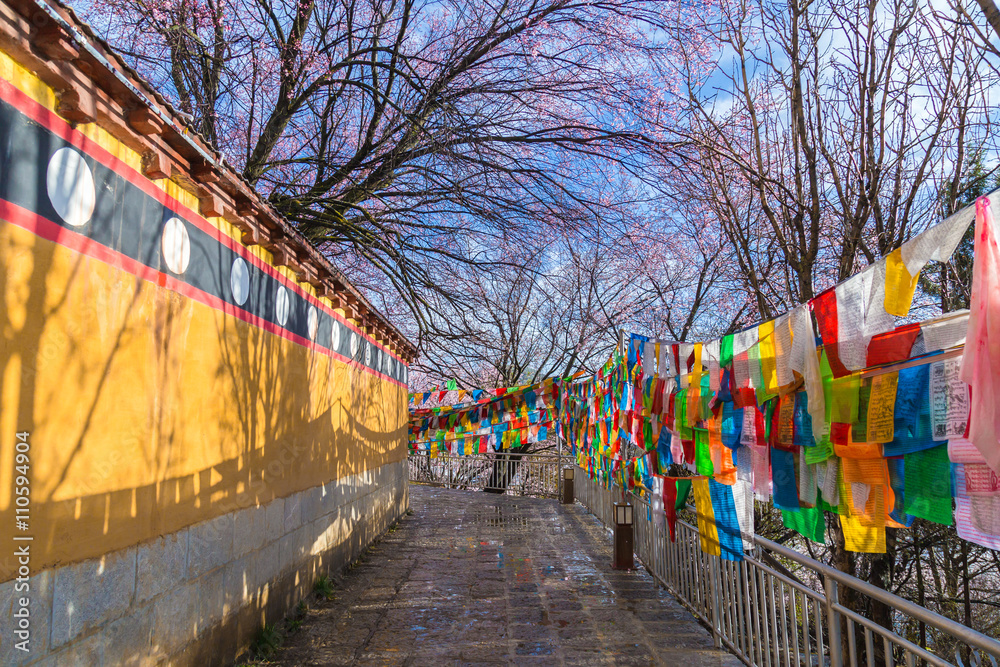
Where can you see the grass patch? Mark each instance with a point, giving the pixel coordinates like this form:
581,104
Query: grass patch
272,636
266,645
323,587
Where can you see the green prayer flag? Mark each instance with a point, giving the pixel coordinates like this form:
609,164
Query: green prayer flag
819,453
683,491
807,521
769,408
927,485
726,351
859,428
680,409
827,507
702,452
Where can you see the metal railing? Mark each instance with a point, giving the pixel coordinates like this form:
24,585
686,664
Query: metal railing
498,472
772,617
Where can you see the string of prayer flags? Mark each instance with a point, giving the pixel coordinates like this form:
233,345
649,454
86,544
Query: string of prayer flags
828,408
508,417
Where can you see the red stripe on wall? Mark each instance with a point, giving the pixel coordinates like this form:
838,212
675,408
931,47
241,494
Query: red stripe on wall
55,124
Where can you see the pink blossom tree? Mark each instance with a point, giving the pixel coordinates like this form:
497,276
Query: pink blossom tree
410,135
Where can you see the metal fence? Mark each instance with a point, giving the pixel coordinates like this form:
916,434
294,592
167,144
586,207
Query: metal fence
499,472
768,615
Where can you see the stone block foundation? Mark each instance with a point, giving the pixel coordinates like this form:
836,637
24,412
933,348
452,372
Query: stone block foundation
199,596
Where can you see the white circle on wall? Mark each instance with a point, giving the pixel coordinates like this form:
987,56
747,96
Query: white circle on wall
239,281
70,185
355,343
176,245
313,322
368,354
281,305
335,336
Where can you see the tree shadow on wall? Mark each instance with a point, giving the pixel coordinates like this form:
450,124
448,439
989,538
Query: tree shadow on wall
125,390
300,417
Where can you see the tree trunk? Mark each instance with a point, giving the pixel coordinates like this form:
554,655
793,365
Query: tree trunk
843,560
505,467
992,14
880,574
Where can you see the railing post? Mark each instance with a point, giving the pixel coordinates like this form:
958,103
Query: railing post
623,537
567,485
833,620
559,467
714,576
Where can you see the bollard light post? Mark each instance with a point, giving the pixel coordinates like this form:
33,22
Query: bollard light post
622,559
567,491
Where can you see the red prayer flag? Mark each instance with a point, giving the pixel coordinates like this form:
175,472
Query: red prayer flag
669,499
825,309
688,450
892,346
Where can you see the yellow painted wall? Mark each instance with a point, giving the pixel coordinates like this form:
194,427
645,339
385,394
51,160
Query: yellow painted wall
149,411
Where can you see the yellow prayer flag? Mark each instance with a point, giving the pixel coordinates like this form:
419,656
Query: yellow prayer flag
708,532
882,407
696,371
857,535
899,285
768,367
843,399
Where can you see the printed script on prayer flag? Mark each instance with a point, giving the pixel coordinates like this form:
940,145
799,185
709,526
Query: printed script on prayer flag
949,400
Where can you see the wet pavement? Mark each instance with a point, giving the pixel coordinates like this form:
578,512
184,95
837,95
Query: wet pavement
475,578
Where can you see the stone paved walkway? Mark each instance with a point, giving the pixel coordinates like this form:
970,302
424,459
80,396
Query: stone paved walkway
473,578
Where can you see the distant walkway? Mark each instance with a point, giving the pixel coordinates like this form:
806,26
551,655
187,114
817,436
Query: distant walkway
474,578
